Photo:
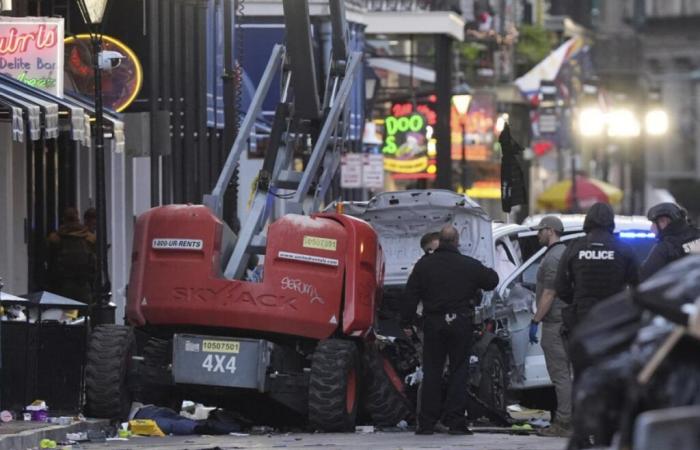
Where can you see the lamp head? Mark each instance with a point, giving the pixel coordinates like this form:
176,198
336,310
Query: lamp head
92,10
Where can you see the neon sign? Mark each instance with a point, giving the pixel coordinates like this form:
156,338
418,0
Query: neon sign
120,85
394,125
15,41
30,51
405,144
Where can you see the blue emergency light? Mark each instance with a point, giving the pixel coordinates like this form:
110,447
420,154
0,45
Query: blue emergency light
637,235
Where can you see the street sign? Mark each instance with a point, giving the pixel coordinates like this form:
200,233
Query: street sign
548,123
351,171
373,171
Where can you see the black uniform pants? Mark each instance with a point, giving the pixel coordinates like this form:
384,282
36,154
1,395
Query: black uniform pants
442,338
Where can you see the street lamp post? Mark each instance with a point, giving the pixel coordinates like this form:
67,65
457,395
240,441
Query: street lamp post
461,103
92,12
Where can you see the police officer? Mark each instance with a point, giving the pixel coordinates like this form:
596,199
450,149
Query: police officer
549,307
594,267
447,282
677,237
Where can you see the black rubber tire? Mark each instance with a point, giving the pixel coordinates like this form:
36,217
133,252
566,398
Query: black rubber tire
386,405
493,385
156,384
109,355
332,364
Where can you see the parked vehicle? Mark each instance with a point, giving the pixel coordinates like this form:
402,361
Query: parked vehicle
514,299
503,360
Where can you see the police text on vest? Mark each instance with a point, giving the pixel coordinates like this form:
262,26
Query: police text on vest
596,254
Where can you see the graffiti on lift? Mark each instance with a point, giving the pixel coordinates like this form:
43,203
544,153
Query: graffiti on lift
296,285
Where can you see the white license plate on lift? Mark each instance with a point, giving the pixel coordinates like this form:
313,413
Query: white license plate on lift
220,361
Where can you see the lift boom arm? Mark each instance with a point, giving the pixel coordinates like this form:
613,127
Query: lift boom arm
299,119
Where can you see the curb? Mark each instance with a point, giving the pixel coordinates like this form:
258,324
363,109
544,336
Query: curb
30,439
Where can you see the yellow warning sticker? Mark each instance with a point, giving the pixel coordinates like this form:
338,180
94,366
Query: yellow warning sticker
220,346
320,243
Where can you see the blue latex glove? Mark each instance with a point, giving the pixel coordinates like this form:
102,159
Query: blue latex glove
533,332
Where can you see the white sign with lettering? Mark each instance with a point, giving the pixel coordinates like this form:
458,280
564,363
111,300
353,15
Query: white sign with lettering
31,51
178,244
373,171
351,171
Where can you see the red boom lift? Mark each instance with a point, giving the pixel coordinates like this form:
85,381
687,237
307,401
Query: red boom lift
299,343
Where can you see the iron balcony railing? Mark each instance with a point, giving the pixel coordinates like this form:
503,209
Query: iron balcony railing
405,5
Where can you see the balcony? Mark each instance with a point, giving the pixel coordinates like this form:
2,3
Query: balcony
406,5
663,9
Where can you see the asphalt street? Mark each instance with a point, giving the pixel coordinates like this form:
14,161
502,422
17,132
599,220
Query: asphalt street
325,441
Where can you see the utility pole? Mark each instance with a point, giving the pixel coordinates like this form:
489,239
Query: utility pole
443,88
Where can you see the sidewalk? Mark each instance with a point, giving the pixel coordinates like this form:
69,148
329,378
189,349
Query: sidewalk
19,435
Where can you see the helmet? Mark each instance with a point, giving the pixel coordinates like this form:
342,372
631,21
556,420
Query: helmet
668,209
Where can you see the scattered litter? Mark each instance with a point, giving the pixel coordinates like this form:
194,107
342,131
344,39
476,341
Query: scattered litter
402,425
523,427
261,429
116,439
6,416
145,427
515,408
77,437
239,434
63,420
364,429
539,423
39,411
47,443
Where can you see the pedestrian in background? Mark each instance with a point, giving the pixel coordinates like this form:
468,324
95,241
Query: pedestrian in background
549,308
677,237
72,260
90,220
447,283
594,267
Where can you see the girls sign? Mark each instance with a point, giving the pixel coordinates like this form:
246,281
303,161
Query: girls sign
31,50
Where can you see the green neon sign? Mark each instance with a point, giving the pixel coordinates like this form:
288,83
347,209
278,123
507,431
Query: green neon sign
395,126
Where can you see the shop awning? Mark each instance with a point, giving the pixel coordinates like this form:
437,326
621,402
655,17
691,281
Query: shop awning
17,107
408,22
45,110
403,68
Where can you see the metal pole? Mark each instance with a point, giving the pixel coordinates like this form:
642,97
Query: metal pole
464,180
1,286
443,87
154,99
574,197
102,279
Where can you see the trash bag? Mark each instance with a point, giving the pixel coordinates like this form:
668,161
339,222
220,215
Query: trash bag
609,328
669,289
599,396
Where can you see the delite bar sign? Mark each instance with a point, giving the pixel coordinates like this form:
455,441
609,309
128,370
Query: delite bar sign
31,51
178,244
